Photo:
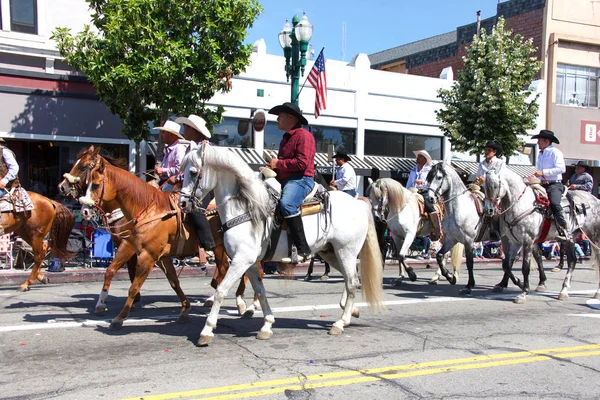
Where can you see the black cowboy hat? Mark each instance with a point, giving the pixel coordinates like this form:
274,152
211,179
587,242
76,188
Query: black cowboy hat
546,134
582,164
341,154
492,144
289,108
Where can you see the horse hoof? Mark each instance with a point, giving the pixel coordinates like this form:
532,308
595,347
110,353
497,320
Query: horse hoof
412,276
115,325
183,319
264,335
100,310
324,277
208,303
433,282
205,340
45,280
465,291
356,312
248,314
23,289
498,289
520,299
241,308
336,331
563,296
452,280
541,288
308,278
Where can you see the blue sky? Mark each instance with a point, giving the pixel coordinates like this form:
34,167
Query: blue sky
371,25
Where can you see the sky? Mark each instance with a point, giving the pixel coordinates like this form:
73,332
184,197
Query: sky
371,25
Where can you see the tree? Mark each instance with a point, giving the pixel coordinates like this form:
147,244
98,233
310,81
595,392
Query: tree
489,100
149,59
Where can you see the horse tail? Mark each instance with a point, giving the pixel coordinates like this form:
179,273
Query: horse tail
456,254
62,225
371,272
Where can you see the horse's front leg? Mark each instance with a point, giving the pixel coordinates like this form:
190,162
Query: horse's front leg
522,298
255,275
145,264
402,246
571,262
39,248
539,260
441,260
470,266
124,253
169,268
348,268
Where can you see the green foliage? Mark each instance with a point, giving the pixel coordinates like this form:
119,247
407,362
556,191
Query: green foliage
151,58
489,99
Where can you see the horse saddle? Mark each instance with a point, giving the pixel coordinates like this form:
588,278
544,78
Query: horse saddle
17,200
439,207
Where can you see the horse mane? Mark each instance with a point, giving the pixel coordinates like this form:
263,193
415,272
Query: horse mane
121,162
251,190
397,195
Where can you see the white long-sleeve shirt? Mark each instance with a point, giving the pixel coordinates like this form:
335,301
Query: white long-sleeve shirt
11,164
416,175
484,166
552,163
345,177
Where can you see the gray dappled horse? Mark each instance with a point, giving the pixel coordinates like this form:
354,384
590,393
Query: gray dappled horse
522,221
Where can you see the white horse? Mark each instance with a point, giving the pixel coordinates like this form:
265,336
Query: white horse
398,208
339,234
522,222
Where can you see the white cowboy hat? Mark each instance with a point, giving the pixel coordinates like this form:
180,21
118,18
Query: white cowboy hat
171,127
267,172
425,154
196,122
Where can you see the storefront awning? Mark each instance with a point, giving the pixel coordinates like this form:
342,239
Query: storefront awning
391,167
250,156
325,167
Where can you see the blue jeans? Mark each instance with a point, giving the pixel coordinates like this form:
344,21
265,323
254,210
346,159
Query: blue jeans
351,192
293,193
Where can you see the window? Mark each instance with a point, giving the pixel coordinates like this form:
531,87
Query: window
432,144
577,86
232,132
23,16
393,144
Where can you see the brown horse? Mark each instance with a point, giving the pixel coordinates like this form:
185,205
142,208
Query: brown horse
150,227
47,216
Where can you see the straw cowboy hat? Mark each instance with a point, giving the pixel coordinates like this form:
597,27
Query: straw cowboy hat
171,127
267,172
582,164
289,108
344,156
196,122
546,134
425,154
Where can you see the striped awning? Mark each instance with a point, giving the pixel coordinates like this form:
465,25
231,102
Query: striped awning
524,171
391,167
470,168
250,156
325,167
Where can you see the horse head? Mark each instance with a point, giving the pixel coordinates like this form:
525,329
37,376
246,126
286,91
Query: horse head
195,186
378,195
494,192
438,181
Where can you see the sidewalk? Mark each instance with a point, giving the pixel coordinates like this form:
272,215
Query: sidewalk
16,277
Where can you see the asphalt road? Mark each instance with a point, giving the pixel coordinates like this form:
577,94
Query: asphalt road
431,343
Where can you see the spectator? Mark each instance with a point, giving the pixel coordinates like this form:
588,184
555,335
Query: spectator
584,243
478,250
581,179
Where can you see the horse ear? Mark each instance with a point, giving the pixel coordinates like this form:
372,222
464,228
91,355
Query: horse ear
370,181
94,151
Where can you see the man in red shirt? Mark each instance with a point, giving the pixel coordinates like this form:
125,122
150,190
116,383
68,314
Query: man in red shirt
295,165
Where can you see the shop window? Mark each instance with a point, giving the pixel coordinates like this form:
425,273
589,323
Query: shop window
232,132
343,139
379,143
23,16
577,86
432,144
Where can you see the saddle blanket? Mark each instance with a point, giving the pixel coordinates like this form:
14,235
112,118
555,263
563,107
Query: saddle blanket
16,200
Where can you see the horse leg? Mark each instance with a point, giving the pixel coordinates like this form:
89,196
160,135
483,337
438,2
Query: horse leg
308,276
348,268
522,298
470,265
125,253
222,264
239,295
402,246
256,279
39,248
145,265
184,316
539,260
234,273
571,262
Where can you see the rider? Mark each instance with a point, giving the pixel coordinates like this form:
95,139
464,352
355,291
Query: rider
551,166
417,180
195,130
9,169
295,171
491,150
168,171
581,179
345,177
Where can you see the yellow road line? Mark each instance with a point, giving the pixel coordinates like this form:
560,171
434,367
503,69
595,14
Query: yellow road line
375,374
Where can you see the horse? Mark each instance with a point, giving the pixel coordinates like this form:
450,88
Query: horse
339,233
523,222
461,223
47,216
398,208
150,227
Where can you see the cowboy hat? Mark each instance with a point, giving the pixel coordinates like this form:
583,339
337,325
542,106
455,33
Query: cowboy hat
171,127
289,108
492,144
2,140
546,134
196,122
425,154
582,164
267,172
341,154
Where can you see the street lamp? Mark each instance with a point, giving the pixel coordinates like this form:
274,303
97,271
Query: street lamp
294,40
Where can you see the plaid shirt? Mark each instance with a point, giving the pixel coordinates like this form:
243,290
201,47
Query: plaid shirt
296,155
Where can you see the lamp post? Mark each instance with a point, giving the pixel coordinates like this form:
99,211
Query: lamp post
294,40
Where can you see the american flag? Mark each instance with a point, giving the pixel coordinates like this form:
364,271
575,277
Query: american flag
318,79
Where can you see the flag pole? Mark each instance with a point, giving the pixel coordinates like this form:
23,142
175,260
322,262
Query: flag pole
300,91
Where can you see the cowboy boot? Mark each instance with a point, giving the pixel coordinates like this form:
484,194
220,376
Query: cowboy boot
561,224
436,226
296,229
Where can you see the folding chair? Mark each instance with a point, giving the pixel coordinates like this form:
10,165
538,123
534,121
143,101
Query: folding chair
102,248
6,252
